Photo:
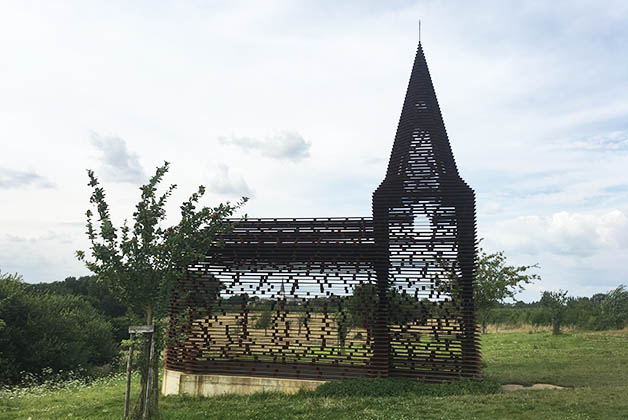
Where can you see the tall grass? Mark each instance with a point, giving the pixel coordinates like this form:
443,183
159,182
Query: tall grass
49,382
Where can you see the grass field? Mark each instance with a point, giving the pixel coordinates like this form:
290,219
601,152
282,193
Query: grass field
593,365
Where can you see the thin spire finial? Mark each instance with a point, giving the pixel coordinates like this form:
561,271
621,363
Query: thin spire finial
419,31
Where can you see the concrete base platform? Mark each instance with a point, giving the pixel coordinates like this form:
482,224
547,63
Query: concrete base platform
175,383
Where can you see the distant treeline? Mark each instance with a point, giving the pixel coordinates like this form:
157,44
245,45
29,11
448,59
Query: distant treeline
602,311
77,322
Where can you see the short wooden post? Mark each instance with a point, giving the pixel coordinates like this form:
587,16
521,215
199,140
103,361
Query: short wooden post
149,379
137,329
127,394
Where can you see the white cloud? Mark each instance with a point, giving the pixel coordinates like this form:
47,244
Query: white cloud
224,183
613,142
491,208
286,145
10,178
582,252
562,233
119,164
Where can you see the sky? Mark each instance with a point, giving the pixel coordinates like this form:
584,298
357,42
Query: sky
295,105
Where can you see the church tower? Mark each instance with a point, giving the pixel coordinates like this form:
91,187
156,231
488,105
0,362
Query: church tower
424,222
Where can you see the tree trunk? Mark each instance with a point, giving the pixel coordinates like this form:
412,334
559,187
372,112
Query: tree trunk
148,399
139,406
156,390
127,393
556,327
146,407
483,327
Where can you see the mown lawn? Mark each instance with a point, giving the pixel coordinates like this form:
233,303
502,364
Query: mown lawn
593,365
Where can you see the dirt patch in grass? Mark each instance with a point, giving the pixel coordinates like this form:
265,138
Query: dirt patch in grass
535,387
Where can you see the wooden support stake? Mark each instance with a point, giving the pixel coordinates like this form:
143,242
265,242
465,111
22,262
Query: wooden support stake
149,379
127,394
135,329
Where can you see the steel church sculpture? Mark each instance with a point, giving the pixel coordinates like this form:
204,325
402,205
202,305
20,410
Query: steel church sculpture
333,298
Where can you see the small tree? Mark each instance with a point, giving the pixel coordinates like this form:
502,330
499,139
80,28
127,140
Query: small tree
556,302
301,322
264,320
495,281
141,265
615,307
343,326
360,307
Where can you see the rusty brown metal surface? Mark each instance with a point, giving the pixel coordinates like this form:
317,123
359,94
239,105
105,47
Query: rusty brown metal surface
333,298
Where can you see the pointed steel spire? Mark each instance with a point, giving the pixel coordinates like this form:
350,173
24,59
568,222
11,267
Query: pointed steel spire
421,148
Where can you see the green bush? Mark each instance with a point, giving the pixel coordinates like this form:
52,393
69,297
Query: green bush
58,332
97,295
